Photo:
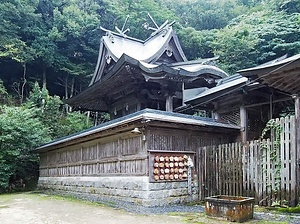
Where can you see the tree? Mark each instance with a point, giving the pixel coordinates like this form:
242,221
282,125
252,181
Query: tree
5,98
137,11
257,38
23,128
52,114
236,47
21,131
18,20
197,44
288,6
206,15
75,30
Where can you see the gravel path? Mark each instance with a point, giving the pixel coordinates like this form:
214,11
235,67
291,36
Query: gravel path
28,208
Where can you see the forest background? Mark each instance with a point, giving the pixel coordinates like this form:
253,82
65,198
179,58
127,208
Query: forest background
49,49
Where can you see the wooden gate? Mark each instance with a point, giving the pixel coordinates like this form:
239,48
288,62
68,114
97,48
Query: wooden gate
220,170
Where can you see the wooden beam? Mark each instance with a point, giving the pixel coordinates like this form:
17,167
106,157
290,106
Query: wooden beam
268,102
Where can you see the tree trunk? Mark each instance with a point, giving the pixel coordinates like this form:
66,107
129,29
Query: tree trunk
66,88
68,109
23,84
44,75
72,86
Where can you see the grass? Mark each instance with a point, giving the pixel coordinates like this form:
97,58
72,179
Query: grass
201,218
46,196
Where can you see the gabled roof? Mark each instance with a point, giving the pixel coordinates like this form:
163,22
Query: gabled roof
147,51
283,74
114,45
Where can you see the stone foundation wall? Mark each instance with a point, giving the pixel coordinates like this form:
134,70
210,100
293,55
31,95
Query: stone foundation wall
132,189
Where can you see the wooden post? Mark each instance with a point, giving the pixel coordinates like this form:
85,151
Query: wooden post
216,116
215,113
243,122
297,145
169,103
183,104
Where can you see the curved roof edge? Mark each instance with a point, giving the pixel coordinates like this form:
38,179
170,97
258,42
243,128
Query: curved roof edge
153,72
274,65
114,45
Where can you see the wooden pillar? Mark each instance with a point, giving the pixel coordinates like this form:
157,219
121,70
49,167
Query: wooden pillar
215,114
244,123
183,104
169,103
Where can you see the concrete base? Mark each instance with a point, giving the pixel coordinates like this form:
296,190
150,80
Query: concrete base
132,189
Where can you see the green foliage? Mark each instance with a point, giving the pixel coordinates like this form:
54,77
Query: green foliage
24,128
75,32
206,15
18,18
59,38
51,113
5,98
20,131
235,45
274,130
198,44
288,6
137,11
290,209
257,38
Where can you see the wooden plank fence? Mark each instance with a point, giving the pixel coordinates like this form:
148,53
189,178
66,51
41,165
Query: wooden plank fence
258,168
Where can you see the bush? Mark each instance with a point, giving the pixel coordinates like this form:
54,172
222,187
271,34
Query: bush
20,132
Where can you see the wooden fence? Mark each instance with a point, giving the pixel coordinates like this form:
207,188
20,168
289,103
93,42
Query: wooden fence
257,168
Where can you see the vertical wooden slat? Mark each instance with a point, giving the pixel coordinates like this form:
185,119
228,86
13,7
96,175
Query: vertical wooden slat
262,175
233,168
297,144
226,176
240,169
268,173
287,159
246,168
283,161
293,161
257,163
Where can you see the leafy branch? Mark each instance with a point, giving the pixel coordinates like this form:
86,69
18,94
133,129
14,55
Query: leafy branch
273,149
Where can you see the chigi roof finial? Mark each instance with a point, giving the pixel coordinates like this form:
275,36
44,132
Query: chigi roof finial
122,31
157,28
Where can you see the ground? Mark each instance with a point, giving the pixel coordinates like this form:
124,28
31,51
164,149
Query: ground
32,208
